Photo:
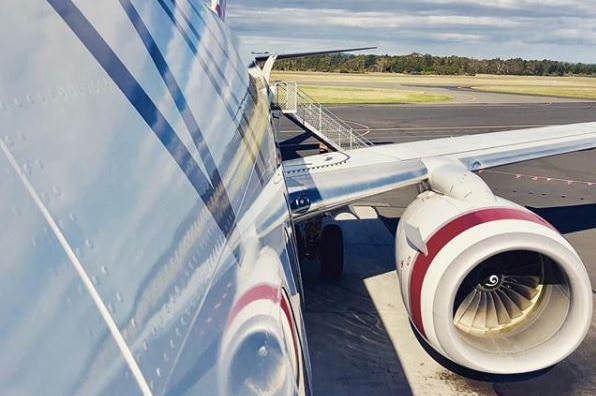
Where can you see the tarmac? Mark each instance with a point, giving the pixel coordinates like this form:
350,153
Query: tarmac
359,336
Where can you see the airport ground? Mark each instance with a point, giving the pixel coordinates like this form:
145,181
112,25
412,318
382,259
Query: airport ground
406,88
358,331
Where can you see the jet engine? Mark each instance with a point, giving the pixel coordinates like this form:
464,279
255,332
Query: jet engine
488,284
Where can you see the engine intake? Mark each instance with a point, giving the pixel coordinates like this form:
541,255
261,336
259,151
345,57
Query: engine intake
490,285
504,300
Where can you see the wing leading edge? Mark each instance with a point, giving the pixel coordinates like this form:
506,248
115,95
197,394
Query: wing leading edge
324,182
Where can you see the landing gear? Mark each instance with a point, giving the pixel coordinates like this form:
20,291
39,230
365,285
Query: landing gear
331,252
322,242
301,244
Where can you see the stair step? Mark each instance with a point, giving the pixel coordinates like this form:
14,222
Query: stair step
296,104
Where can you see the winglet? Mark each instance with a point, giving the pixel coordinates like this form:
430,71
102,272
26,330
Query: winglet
219,7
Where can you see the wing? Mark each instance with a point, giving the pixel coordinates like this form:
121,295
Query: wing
324,182
262,57
266,60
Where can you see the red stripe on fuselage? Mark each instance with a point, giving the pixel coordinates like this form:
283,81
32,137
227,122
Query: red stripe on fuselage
269,293
260,292
285,306
443,236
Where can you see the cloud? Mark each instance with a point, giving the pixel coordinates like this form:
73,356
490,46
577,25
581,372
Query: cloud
348,18
561,29
534,5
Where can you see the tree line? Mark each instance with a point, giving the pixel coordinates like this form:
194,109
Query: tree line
428,64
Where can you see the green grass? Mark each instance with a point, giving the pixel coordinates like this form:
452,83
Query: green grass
566,86
355,95
478,80
568,92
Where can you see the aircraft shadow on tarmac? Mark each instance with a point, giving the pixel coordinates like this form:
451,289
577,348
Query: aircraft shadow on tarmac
568,219
296,146
350,348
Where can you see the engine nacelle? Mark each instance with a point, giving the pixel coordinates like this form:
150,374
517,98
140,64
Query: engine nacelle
490,285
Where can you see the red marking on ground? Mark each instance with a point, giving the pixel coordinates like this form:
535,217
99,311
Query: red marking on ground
536,178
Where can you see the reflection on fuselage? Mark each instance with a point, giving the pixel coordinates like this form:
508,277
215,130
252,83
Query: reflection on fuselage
148,141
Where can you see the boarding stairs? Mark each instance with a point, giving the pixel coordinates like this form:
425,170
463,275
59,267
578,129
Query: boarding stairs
303,110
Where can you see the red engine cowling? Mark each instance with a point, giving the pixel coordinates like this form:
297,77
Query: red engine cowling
490,285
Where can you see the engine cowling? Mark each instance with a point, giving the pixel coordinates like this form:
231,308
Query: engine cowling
490,285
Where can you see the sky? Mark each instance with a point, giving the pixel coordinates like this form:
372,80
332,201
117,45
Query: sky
563,30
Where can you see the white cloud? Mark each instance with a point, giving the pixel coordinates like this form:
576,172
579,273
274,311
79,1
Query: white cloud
347,18
571,5
459,37
553,29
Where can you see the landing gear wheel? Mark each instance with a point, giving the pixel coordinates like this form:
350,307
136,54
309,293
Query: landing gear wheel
301,244
331,252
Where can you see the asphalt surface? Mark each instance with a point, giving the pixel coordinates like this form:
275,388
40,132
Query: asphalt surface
384,124
358,332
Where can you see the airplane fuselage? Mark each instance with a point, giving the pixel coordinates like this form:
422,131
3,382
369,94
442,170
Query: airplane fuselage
150,241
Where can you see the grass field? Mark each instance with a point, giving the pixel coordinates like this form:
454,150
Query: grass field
354,95
332,85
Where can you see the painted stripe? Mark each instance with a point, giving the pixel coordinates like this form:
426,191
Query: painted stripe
248,143
287,310
85,279
181,103
260,292
268,292
236,64
215,80
172,85
220,28
215,198
227,49
443,236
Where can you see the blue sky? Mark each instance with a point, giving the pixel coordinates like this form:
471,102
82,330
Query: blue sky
532,29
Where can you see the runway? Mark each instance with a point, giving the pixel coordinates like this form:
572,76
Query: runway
359,336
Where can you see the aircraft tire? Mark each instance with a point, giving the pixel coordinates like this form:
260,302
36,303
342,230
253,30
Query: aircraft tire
301,244
331,252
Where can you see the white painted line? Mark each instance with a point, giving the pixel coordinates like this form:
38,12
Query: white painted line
103,310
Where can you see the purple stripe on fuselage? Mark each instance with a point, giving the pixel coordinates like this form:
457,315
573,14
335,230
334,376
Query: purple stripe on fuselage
214,196
216,81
